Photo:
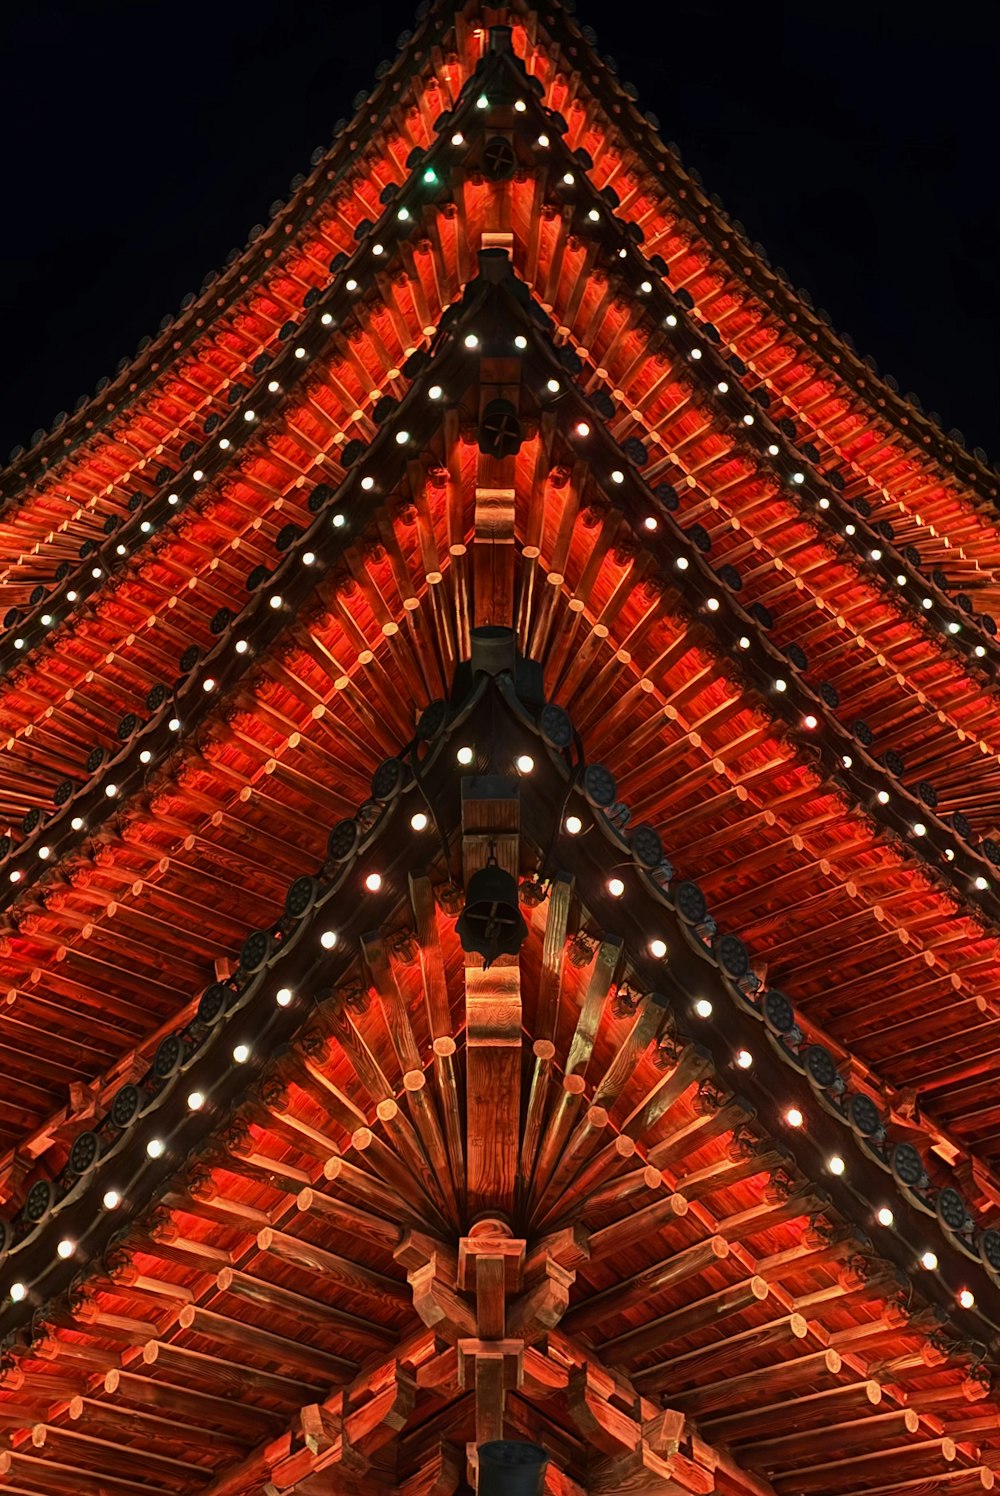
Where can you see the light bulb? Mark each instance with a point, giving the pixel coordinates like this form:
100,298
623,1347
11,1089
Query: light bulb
809,721
241,1053
744,1059
368,483
617,476
885,1216
929,1260
743,642
309,558
543,141
482,102
155,1147
703,1008
520,341
111,790
712,604
780,685
552,385
616,887
196,1100
794,1117
208,684
646,287
418,821
273,384
919,829
249,415
112,1199
798,477
458,138
722,387
471,341
276,600
582,428
77,823
981,883
966,1298
883,797
670,320
573,825
328,939
373,882
658,948
465,756
836,1164
402,437
524,763
241,646
18,1291
66,1248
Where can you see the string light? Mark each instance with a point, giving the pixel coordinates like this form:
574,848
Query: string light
18,1292
658,948
283,996
241,646
418,821
196,1100
966,1298
543,141
458,138
471,341
744,1059
573,825
703,1008
616,887
112,1200
435,392
524,763
582,428
328,939
552,385
368,483
836,1164
929,1260
241,1053
885,1216
373,882
156,1147
617,476
465,756
794,1117
981,883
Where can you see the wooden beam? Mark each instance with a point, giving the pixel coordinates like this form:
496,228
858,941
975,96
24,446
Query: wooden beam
813,1410
698,1315
641,1288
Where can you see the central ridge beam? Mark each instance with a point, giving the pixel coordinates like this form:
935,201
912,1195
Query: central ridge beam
490,826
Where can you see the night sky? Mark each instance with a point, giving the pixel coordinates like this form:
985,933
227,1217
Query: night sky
858,142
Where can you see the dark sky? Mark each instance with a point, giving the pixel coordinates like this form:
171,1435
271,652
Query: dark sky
858,142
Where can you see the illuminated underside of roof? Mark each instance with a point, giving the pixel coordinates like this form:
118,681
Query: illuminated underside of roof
500,509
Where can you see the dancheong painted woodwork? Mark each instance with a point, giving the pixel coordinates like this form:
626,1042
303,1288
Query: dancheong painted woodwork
499,935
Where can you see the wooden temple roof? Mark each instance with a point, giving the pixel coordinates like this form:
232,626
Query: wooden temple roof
499,505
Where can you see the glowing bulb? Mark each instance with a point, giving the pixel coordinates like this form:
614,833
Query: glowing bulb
402,437
568,178
722,387
919,829
929,1261
208,684
682,563
241,1053
175,498
328,939
883,797
824,502
646,287
403,214
276,600
111,790
703,1008
743,642
966,1298
249,415
351,284
482,102
283,996
982,883
378,249
339,521
435,392
573,825
16,875
617,476
66,1248
430,175
836,1164
45,853
848,529
77,823
373,882
326,319
309,559
241,646
794,1117
197,475
582,428
155,1147
748,419
926,603
273,384
458,138
885,1216
174,724
616,887
875,554
712,604
953,627
18,1292
525,763
418,821
196,1100
223,447
552,385
847,761
112,1200
744,1059
520,105
465,756
798,477
471,341
658,948
368,483
670,320
543,141
520,341
95,571
594,216
780,685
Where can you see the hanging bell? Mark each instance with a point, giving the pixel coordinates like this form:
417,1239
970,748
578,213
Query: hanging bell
491,924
